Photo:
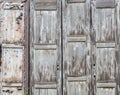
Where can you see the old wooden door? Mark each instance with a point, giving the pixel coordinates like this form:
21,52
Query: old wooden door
46,47
74,46
12,47
105,46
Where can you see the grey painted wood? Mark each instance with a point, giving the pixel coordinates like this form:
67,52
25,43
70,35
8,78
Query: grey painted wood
81,53
76,29
104,40
45,4
12,47
105,3
46,47
76,1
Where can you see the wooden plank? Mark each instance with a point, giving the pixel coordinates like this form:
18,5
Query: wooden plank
76,78
46,5
105,3
76,1
106,85
45,47
76,38
46,86
12,84
45,1
105,45
12,46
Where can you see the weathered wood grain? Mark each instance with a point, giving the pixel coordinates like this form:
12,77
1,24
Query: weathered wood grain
76,1
105,91
45,86
45,0
12,30
106,85
74,48
45,27
105,3
45,65
12,64
75,59
12,42
11,91
106,64
77,88
104,25
45,92
46,47
45,4
76,28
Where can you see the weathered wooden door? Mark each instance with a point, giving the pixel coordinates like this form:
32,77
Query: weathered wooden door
74,44
12,47
76,47
105,46
46,46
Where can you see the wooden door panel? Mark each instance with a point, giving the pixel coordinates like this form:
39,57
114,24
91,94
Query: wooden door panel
104,24
12,30
77,19
45,27
75,59
45,66
12,63
105,64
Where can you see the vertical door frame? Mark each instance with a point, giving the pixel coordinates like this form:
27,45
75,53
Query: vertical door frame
26,70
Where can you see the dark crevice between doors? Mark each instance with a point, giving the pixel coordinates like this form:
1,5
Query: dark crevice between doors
27,47
0,57
62,49
92,88
29,71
